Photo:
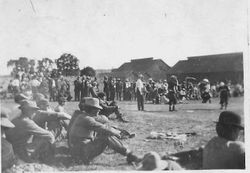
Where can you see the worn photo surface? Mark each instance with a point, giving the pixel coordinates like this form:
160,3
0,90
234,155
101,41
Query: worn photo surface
113,85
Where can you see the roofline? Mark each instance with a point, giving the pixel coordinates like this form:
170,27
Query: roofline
200,56
138,59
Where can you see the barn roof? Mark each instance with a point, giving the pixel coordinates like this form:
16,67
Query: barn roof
142,65
209,63
149,67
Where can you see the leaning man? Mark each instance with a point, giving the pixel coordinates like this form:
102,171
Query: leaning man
21,135
89,138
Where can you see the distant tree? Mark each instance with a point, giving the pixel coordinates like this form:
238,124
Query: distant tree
68,65
45,66
21,64
88,71
54,73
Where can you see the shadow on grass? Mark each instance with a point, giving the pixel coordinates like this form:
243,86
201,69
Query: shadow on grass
155,111
201,109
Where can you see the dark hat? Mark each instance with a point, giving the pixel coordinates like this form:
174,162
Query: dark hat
19,97
230,118
27,104
5,122
62,99
101,94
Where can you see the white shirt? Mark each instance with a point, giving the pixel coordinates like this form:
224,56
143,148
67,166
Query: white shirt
139,85
15,82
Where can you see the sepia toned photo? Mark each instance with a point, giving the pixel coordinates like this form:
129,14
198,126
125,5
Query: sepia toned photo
114,85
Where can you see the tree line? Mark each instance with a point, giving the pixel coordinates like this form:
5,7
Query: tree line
67,65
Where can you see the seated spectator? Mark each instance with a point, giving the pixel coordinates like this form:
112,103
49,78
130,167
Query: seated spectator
224,151
153,162
24,129
88,138
38,96
8,157
61,104
51,120
15,111
109,108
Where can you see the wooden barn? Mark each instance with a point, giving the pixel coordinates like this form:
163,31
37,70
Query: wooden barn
220,67
148,67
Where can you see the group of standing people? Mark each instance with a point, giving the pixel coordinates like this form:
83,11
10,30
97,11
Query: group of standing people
51,87
114,88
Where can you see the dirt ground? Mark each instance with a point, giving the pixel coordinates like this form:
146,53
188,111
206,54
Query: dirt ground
191,116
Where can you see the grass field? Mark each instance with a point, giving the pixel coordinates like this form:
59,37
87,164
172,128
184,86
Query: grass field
192,116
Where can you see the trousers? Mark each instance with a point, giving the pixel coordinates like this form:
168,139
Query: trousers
140,100
87,149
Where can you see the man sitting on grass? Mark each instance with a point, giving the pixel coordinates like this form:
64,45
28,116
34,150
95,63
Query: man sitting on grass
88,138
61,104
109,108
8,157
51,120
24,129
224,151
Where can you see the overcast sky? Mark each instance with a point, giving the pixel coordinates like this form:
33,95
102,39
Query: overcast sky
106,33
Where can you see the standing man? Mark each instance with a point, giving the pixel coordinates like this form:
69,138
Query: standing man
224,94
172,90
139,93
106,87
77,88
119,89
112,89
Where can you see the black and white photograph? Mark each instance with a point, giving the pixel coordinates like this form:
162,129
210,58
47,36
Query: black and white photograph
124,85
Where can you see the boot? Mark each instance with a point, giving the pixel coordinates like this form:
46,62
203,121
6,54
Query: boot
225,106
173,108
132,158
221,106
120,118
170,108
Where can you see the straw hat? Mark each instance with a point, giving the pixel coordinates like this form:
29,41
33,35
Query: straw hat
140,76
152,161
5,122
42,102
92,102
206,80
222,83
